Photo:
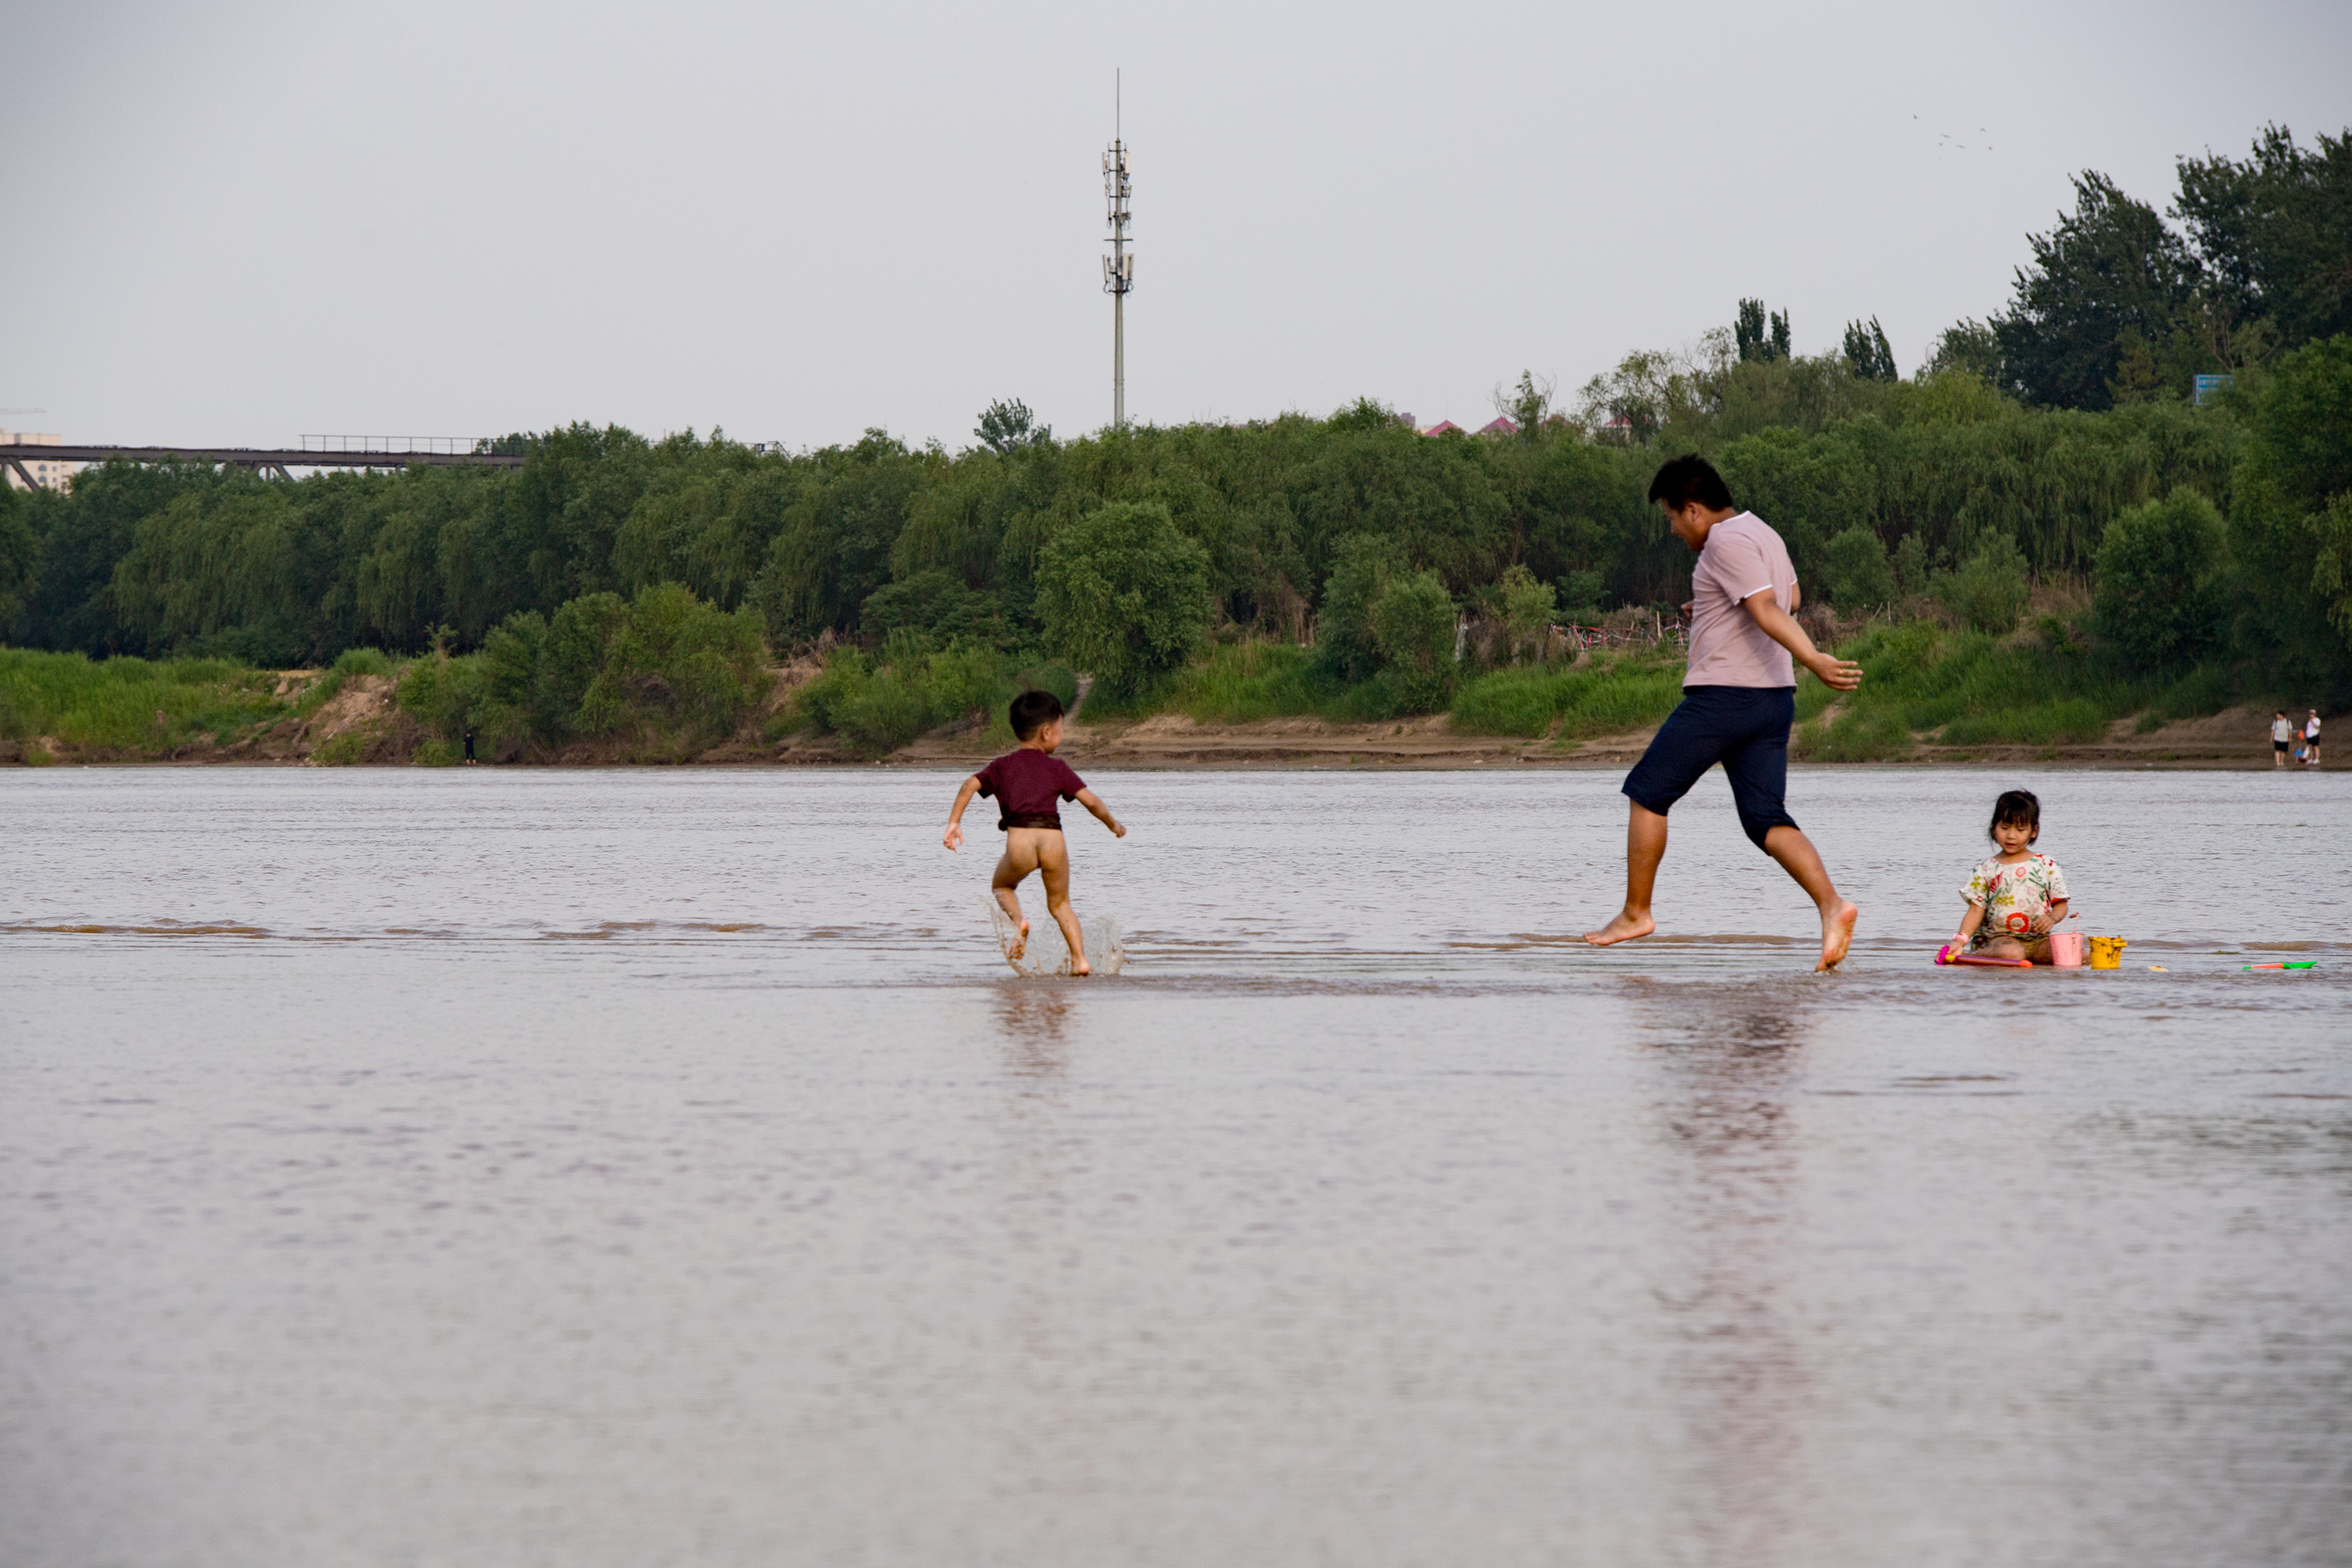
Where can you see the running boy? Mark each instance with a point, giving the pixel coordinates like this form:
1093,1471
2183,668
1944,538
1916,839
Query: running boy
2017,897
1028,784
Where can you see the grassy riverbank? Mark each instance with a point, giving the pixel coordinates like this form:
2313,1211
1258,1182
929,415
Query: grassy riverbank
677,689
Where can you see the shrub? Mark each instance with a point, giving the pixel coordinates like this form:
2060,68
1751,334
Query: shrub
1412,622
940,606
879,706
1529,607
2160,596
1990,590
665,668
1343,634
1124,595
884,711
442,693
1912,567
1579,596
1857,570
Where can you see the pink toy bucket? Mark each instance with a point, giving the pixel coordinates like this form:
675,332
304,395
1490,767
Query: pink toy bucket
2066,948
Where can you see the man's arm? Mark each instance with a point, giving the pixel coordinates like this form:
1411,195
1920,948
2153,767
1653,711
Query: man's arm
953,836
1837,674
1092,803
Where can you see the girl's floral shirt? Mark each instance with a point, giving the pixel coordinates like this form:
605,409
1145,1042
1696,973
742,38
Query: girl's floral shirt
2015,895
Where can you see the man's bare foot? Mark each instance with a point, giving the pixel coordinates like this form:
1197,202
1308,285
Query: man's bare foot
1837,936
1624,928
1020,942
1081,969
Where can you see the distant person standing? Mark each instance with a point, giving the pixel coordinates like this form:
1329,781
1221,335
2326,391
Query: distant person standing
2311,740
469,742
2282,738
1740,697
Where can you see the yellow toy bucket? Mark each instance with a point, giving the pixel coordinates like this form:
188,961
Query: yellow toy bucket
2108,951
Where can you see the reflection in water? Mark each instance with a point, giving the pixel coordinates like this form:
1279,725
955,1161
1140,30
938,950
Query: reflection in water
1034,1019
1726,1056
1043,1161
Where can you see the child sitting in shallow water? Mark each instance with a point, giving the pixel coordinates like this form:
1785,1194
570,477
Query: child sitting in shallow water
2017,897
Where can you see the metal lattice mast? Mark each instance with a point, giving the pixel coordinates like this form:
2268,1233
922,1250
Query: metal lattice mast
1118,267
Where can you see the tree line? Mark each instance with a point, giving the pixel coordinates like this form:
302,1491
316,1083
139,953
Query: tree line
1352,532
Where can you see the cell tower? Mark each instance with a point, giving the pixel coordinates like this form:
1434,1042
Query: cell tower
1118,267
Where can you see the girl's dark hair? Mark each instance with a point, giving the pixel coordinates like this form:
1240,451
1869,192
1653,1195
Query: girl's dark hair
1033,710
2018,808
1682,480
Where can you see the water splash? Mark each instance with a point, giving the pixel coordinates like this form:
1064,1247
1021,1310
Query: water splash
1047,953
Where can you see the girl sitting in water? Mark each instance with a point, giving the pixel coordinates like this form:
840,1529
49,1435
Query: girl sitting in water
2017,897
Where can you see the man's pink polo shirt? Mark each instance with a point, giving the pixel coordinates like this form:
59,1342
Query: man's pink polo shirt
1728,648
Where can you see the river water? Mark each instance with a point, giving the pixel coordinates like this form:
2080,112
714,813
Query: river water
510,1167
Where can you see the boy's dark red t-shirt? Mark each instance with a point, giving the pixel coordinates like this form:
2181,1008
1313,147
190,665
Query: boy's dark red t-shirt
1028,786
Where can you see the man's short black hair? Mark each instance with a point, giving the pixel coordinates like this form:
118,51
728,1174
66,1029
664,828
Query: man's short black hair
1682,480
1033,710
2018,808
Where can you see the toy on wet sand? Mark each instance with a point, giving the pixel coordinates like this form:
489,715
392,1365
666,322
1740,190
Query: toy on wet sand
2108,951
2067,948
1950,953
2306,963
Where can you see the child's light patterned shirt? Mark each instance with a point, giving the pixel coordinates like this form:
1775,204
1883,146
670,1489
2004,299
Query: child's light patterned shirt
2014,897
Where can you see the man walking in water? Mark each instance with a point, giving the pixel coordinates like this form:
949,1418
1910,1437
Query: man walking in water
1740,696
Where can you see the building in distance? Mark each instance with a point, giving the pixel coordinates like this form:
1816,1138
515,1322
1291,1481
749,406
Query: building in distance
48,473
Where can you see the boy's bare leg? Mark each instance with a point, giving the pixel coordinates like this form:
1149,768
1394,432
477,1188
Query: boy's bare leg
1018,860
1797,856
1054,860
1645,846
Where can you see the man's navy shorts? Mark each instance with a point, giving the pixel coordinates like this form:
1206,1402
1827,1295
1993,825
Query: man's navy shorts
1745,728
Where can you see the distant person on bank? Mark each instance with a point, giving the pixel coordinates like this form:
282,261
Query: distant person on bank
2281,737
1740,696
2311,740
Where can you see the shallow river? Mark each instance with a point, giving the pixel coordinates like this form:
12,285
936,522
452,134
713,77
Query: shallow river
506,1167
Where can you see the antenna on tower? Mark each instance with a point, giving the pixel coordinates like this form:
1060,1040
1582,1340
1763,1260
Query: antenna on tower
1118,267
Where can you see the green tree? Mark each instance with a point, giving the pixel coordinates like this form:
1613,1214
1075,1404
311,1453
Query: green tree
1968,345
19,556
2293,525
2159,594
1912,567
1526,405
2273,233
1810,488
1006,426
1528,606
2108,267
833,546
1360,567
1868,351
1857,571
1413,625
1990,589
1123,594
1758,336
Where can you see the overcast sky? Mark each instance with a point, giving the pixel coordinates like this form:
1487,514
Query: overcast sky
239,224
